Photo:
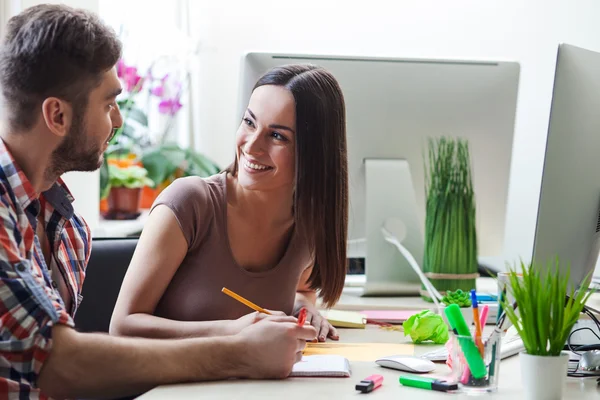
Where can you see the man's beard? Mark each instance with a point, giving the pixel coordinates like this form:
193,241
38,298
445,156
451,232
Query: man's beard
75,152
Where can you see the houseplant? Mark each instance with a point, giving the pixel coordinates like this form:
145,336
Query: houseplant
450,256
548,309
460,298
149,105
125,186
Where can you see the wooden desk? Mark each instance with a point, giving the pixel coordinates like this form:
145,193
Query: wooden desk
510,386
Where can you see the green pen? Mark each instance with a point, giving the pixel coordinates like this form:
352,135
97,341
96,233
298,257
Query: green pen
427,383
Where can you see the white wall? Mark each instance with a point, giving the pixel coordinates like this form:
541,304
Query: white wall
527,31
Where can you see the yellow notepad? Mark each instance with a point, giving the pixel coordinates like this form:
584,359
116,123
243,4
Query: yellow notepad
359,351
345,319
322,365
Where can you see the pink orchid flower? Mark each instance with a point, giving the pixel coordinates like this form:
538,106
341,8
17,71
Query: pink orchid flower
121,68
132,79
159,91
169,106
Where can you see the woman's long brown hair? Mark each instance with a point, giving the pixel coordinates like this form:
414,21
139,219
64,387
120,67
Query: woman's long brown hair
321,192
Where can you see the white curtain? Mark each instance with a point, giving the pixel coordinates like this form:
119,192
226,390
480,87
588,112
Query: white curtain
187,128
8,8
155,28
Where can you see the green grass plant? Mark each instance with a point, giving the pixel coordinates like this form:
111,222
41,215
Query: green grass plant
450,232
547,307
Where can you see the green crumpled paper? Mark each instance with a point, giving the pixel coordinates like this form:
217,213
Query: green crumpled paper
426,326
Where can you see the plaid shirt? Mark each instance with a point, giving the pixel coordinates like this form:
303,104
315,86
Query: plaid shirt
30,303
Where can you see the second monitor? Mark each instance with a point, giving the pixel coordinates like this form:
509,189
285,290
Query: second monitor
392,106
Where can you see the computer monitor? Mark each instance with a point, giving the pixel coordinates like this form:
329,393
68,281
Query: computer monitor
568,221
392,106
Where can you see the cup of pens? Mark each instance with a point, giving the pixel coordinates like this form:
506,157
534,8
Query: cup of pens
475,358
476,363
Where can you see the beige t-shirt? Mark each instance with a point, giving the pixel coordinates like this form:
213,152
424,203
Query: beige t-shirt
194,293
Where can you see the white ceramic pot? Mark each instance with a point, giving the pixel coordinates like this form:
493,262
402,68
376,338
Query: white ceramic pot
544,377
467,313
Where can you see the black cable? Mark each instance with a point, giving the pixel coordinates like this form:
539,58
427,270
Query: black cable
588,312
575,374
583,347
592,316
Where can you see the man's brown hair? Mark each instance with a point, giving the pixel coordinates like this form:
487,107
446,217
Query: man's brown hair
53,51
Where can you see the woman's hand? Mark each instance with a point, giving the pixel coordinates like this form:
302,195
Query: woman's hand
324,328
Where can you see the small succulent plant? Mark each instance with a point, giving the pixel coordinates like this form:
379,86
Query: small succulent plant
463,299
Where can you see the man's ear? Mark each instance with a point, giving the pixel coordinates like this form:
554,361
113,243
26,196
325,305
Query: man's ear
58,115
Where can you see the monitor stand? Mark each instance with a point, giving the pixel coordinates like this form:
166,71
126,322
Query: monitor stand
390,194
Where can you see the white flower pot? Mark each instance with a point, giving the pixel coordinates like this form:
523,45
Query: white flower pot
467,313
544,377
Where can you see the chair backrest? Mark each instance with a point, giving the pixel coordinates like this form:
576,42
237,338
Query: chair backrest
108,264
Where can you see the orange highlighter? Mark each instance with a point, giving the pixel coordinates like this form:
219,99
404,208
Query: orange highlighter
302,317
478,341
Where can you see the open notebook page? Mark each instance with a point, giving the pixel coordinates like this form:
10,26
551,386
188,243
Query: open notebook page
322,365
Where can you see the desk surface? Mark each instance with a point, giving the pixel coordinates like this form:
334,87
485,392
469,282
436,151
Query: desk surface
510,386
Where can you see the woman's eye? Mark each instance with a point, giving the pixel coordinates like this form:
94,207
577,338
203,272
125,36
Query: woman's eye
279,136
248,122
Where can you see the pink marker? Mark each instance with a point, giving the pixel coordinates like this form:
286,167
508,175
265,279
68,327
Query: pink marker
484,314
370,383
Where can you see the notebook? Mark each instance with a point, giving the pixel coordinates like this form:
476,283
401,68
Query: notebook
345,319
322,365
359,351
389,316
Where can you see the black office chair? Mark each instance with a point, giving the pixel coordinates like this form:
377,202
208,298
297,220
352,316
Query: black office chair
105,272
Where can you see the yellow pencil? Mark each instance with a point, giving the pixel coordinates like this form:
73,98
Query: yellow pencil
244,301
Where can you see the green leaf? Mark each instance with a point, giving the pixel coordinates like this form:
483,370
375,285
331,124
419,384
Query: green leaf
200,165
546,312
138,115
161,163
104,180
131,177
450,233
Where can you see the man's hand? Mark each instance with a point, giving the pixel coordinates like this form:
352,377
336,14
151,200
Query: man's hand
235,326
272,346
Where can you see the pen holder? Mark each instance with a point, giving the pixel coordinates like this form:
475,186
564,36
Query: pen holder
476,371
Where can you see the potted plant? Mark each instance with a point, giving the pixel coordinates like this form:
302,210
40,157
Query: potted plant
125,186
150,104
167,162
548,309
463,300
450,256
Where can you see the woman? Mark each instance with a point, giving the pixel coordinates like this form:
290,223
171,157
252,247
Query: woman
272,227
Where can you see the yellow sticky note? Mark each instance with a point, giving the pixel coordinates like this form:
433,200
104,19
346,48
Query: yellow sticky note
359,351
345,319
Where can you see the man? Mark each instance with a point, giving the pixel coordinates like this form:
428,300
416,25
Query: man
59,86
